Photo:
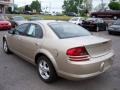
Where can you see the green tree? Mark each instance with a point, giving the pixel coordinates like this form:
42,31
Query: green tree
36,5
87,5
71,5
27,8
21,9
114,5
15,7
10,9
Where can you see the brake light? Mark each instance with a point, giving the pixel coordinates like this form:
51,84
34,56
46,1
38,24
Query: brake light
9,24
78,54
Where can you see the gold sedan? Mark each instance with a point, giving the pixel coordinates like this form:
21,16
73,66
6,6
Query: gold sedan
60,48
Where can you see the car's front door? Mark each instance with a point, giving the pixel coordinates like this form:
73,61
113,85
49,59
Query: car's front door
14,40
32,41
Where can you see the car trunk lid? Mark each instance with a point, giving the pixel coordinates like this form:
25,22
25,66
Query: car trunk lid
95,46
99,49
4,23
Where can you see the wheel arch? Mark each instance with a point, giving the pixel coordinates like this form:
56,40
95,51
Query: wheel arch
4,38
48,55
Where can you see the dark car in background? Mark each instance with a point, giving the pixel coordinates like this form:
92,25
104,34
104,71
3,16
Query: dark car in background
115,14
17,20
28,12
72,14
94,24
4,23
114,28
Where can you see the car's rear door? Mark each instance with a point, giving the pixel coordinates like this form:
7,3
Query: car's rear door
101,14
32,41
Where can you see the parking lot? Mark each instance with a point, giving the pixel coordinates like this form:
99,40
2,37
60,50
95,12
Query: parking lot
17,74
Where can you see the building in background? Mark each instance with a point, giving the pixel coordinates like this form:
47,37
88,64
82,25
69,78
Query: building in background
4,4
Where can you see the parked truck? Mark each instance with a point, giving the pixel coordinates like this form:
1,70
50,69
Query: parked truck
115,14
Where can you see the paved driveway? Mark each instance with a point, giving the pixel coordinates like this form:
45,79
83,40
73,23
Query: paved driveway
17,74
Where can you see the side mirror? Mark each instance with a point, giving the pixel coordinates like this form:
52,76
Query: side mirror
12,31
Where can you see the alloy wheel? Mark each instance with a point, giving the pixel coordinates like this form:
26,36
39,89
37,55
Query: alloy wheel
5,47
44,69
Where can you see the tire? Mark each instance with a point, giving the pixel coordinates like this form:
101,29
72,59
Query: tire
97,29
5,47
106,27
109,32
15,25
115,17
46,70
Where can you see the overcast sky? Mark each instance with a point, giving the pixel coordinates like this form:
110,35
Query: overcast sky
54,5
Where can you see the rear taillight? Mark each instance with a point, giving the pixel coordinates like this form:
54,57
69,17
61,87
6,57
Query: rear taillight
9,24
78,54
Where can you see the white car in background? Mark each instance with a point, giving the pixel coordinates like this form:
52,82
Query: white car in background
76,20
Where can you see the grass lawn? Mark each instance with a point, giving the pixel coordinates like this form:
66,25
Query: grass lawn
64,18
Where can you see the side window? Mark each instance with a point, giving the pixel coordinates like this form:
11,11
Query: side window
21,30
35,31
31,31
39,32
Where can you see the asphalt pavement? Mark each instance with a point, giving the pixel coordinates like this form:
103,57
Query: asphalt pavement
17,74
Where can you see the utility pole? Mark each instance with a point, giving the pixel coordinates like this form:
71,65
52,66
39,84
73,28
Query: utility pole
13,5
78,7
102,3
50,4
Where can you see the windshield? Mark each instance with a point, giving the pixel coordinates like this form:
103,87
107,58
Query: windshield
96,20
18,18
68,30
117,22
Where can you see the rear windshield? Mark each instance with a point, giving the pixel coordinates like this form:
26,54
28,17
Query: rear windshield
68,30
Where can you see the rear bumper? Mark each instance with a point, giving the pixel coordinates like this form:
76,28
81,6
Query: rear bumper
82,70
114,32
